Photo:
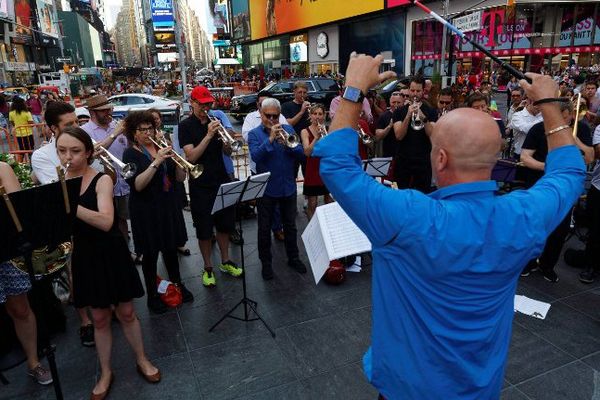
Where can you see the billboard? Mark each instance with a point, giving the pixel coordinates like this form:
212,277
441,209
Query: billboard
240,23
23,18
162,15
164,38
5,8
396,3
272,17
46,18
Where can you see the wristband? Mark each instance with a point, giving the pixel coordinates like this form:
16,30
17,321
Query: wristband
551,100
154,166
557,129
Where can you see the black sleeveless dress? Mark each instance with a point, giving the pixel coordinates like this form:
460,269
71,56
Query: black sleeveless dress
103,271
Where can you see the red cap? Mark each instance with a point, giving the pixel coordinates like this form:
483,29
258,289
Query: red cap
202,95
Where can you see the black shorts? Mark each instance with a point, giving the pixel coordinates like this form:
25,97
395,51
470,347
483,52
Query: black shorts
201,204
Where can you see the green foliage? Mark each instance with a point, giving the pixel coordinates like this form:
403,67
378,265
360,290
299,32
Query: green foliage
22,171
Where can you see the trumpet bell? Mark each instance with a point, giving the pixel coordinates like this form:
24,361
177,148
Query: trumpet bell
292,141
128,170
237,145
196,171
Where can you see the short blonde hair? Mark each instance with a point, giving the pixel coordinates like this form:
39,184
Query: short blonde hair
301,85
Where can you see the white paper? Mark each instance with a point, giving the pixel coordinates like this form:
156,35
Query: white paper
531,307
378,167
162,286
256,186
341,236
315,249
229,193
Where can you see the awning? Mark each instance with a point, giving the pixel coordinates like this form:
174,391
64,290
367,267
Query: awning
513,52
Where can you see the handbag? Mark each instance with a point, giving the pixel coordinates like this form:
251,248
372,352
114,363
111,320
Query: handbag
170,294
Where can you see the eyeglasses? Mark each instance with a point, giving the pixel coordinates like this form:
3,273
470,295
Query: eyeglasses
515,95
444,102
145,130
271,116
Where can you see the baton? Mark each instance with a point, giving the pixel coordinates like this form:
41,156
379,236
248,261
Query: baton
508,67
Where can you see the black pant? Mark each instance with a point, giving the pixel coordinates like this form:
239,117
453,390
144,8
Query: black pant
149,268
25,142
554,244
592,245
266,207
413,176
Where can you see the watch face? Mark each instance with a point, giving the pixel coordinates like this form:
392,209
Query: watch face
352,94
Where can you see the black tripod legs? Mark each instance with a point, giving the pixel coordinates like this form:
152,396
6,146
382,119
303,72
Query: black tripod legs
249,305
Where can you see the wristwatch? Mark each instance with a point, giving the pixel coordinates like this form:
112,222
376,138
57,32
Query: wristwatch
353,94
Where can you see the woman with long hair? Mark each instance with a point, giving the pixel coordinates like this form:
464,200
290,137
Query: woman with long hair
313,185
104,276
157,222
19,116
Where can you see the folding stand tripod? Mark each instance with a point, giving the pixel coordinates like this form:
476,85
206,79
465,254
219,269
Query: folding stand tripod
236,193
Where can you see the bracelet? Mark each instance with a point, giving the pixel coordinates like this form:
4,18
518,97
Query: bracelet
557,129
551,100
154,166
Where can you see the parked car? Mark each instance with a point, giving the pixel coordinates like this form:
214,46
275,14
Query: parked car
320,90
9,92
170,110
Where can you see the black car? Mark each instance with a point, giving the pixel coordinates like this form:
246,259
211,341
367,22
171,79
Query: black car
320,90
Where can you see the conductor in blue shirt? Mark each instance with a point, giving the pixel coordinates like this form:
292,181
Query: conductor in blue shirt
272,153
446,265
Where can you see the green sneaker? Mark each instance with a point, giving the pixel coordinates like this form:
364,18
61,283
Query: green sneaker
231,268
208,279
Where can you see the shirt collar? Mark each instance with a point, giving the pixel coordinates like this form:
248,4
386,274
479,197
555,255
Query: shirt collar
464,188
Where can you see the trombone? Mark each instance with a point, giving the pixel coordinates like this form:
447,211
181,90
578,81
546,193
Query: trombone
290,139
195,170
364,137
236,145
106,158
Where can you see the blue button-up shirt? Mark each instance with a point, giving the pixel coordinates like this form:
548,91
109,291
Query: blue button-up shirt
445,269
276,158
116,149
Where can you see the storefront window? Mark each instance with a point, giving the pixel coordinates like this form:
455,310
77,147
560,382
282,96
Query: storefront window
256,54
577,25
276,49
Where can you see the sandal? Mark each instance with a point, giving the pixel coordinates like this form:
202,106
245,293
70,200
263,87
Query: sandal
183,251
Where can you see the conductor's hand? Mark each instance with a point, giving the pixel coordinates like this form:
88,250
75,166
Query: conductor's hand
213,126
163,154
363,71
541,87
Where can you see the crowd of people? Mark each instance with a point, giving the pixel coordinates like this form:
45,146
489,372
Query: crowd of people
434,153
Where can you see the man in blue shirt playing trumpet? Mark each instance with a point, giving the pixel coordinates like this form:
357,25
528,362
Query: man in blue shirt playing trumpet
446,265
275,149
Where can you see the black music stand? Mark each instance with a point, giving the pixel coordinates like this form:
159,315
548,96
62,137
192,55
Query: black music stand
236,193
377,167
31,219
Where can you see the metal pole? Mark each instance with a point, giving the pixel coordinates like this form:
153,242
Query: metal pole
443,73
60,37
180,47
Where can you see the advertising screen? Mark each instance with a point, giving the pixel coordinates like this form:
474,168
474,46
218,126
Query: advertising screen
298,52
396,3
162,14
47,23
272,17
164,37
240,20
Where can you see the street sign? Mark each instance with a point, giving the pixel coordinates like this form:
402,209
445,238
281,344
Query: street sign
64,59
471,22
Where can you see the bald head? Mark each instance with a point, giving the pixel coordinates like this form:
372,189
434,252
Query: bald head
465,143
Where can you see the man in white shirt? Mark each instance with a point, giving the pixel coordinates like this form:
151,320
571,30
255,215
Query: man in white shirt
58,116
521,122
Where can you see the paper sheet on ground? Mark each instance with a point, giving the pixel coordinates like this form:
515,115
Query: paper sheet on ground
533,308
330,235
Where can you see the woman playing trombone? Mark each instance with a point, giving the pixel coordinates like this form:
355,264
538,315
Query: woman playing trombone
313,185
157,222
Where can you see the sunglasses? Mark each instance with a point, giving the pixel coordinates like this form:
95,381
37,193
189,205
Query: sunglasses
444,102
271,116
145,130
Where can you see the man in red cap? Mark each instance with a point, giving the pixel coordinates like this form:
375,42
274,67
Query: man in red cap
199,139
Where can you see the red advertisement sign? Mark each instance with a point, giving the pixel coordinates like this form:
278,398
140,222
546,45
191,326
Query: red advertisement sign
396,3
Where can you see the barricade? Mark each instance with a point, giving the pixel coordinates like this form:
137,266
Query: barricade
22,140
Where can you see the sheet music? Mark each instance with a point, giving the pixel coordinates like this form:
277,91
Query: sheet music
256,186
377,166
341,236
315,248
228,195
533,308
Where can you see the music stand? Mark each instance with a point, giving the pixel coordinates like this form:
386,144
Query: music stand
31,219
377,167
236,193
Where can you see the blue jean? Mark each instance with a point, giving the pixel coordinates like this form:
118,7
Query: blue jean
266,210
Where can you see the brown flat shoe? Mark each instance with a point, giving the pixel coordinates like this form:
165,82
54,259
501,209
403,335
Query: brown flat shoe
102,396
155,378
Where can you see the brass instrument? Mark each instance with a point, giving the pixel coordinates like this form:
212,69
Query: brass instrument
322,129
364,137
416,123
195,170
578,114
291,140
106,158
236,145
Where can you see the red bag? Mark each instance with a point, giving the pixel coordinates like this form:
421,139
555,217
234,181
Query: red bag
172,297
336,273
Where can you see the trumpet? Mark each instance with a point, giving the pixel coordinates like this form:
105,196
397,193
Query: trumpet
364,137
322,129
416,123
236,145
195,170
106,158
290,139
